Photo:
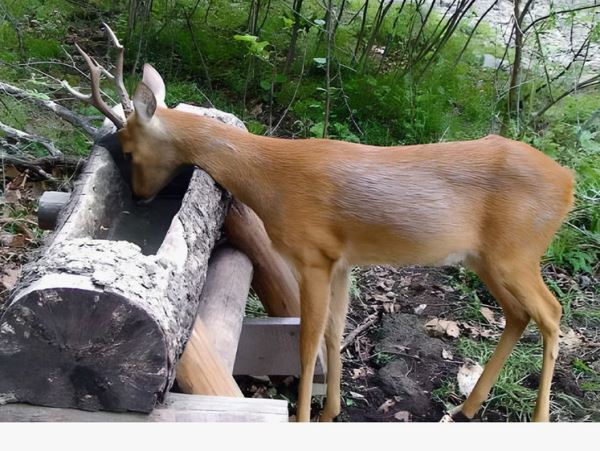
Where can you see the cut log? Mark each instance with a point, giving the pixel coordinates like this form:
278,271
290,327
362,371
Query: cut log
95,323
223,300
274,282
176,408
50,205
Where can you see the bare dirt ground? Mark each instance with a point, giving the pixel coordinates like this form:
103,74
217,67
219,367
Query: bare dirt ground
392,371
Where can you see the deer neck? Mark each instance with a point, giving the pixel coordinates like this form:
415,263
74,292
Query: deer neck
231,156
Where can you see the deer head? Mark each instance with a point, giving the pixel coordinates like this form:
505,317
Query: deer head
138,128
145,139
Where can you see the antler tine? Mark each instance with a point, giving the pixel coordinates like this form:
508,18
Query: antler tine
95,98
125,100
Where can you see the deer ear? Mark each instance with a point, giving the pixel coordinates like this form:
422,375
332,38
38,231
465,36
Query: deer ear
154,81
144,102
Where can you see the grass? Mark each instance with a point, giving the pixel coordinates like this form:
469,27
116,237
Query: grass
254,308
510,394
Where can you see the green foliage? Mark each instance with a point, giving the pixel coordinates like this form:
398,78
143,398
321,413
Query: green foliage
404,95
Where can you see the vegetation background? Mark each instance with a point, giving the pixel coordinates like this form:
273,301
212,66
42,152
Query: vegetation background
384,72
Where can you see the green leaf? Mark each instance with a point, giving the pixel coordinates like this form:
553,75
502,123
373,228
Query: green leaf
245,37
287,22
320,22
280,78
265,84
317,130
320,61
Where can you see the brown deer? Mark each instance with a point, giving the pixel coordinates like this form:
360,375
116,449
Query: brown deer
493,204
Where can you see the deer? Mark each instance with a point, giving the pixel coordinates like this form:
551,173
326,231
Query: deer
492,204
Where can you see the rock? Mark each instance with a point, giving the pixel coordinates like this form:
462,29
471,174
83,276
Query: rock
412,379
395,379
491,62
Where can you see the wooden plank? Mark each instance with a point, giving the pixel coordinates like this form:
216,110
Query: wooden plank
270,347
176,408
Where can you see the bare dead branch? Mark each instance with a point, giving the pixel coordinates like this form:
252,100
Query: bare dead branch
593,81
42,164
369,321
555,13
71,117
28,137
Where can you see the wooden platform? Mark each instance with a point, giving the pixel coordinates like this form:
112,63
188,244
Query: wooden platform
176,408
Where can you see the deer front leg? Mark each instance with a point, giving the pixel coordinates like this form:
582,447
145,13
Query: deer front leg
338,308
315,289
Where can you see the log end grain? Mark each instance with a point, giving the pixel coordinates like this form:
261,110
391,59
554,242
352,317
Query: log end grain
83,348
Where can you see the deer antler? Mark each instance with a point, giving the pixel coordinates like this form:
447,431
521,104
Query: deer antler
125,100
95,97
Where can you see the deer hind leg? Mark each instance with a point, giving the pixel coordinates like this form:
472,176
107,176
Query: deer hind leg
525,285
516,321
338,308
546,311
315,288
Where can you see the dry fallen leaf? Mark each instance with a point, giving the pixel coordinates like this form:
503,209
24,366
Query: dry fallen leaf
402,415
488,315
12,196
419,309
386,406
10,240
9,279
447,354
443,327
570,340
476,332
467,377
361,372
389,306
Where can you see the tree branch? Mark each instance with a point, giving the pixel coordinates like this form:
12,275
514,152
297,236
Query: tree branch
555,13
71,117
41,166
24,136
593,81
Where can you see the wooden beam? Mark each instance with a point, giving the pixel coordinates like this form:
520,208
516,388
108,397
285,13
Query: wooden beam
269,347
176,408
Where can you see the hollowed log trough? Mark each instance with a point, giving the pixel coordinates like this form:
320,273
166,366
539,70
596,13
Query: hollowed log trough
102,313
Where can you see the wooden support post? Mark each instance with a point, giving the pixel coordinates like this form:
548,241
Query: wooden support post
201,370
206,365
